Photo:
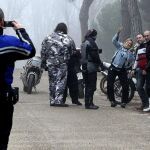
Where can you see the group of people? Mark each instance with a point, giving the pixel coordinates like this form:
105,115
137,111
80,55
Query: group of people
135,58
59,57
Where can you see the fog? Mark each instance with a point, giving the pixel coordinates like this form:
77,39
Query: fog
40,17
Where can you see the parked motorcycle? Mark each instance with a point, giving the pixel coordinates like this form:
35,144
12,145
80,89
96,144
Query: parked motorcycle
31,74
117,85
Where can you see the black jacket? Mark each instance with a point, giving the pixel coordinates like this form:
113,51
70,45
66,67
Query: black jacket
90,55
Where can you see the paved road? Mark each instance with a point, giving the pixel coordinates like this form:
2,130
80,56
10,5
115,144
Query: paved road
37,126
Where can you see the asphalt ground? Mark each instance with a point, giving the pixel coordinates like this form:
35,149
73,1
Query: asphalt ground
37,126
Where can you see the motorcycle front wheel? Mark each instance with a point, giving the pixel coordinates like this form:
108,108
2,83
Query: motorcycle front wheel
31,82
118,90
24,88
103,84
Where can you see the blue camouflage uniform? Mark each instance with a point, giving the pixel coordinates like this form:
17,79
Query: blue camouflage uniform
55,55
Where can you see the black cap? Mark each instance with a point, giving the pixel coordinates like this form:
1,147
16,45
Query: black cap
1,14
91,33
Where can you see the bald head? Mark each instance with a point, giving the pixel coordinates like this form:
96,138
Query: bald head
147,35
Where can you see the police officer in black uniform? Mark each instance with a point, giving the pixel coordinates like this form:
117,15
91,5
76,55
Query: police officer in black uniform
72,80
90,64
11,49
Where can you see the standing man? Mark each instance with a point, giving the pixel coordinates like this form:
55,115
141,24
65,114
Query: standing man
72,80
11,49
139,69
122,60
90,64
147,40
55,55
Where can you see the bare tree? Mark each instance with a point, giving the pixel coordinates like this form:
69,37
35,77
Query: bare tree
84,16
136,22
131,18
126,20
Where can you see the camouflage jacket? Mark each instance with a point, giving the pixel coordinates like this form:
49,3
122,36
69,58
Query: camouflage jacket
56,49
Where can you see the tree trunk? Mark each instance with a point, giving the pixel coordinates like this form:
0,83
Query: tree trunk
126,21
136,22
84,16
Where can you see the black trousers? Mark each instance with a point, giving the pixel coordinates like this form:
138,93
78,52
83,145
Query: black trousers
6,117
72,85
90,80
122,74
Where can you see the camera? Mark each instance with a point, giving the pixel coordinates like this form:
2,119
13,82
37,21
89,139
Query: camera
8,24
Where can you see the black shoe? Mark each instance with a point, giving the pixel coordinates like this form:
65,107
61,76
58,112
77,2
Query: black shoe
123,105
91,107
59,105
77,103
113,103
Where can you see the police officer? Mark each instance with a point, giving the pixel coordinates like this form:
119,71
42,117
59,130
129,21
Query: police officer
122,60
11,49
55,55
90,64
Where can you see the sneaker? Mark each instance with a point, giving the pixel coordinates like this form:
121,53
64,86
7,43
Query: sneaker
146,109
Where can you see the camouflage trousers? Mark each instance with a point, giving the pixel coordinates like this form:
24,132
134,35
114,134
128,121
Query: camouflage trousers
57,83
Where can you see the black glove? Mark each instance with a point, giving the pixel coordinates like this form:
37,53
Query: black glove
102,67
84,69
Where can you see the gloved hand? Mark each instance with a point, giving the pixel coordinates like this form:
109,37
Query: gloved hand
102,68
84,69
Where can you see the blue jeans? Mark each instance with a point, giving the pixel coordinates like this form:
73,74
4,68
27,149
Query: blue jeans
142,86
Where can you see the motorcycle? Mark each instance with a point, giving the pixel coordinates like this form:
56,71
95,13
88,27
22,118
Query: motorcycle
31,74
117,85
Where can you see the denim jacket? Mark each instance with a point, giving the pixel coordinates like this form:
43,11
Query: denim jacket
122,58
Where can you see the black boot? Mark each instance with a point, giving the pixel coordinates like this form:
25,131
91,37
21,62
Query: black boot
87,104
77,102
91,105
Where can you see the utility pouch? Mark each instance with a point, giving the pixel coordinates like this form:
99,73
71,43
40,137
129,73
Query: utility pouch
15,95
